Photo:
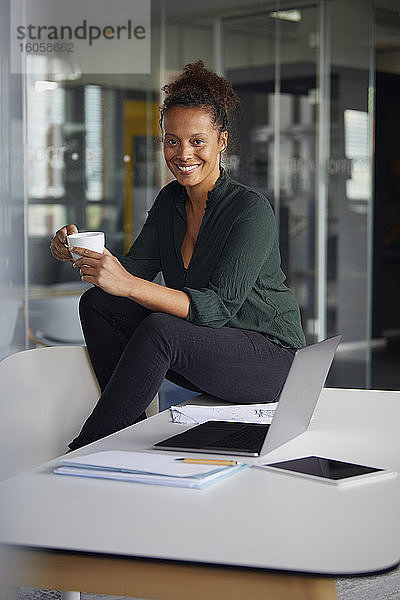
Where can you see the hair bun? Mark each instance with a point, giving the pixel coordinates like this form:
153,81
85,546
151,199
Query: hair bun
199,87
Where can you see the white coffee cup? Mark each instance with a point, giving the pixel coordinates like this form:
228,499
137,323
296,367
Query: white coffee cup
92,240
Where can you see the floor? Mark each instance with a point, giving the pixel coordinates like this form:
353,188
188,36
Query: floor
378,587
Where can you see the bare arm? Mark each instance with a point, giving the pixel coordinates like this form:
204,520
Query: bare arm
160,298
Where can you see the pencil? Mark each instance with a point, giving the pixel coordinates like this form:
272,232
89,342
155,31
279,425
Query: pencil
205,461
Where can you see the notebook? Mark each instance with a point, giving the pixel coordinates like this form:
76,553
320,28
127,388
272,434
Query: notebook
296,405
146,467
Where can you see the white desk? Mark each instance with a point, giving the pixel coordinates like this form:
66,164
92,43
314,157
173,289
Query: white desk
255,519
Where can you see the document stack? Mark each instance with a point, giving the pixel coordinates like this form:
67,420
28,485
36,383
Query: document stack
148,467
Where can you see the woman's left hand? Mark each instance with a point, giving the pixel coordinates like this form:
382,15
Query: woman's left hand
104,271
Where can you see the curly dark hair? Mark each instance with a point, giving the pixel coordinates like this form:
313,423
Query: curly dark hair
197,87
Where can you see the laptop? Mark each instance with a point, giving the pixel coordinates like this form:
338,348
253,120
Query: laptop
297,402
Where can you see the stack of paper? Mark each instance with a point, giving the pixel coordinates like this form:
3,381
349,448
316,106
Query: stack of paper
145,467
190,414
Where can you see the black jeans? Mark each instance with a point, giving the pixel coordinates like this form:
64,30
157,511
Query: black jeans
133,349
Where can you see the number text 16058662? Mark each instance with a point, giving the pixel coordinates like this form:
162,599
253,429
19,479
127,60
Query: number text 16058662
37,47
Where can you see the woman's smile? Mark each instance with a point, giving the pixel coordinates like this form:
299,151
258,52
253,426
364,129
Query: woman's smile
187,169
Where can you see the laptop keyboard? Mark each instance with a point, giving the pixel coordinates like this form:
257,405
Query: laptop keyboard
229,437
247,438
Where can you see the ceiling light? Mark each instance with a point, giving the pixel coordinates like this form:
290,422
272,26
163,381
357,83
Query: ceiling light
286,15
43,86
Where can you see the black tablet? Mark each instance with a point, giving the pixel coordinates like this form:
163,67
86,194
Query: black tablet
328,470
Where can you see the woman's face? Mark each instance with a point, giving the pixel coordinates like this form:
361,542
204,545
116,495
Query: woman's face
192,147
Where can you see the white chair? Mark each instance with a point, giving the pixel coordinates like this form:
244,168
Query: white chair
39,414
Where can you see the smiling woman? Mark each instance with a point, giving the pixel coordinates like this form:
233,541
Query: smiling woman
224,323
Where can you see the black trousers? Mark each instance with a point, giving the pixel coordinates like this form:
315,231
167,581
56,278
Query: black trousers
133,349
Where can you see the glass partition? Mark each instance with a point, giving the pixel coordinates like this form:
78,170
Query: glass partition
349,187
12,206
91,145
85,150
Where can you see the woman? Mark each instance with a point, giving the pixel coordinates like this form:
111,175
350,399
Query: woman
224,323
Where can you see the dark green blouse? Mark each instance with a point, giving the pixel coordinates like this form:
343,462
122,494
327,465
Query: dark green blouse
234,278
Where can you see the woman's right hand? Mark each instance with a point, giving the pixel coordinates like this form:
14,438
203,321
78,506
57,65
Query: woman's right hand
58,245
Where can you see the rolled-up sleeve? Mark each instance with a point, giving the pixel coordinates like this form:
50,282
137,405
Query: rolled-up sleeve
143,257
252,238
